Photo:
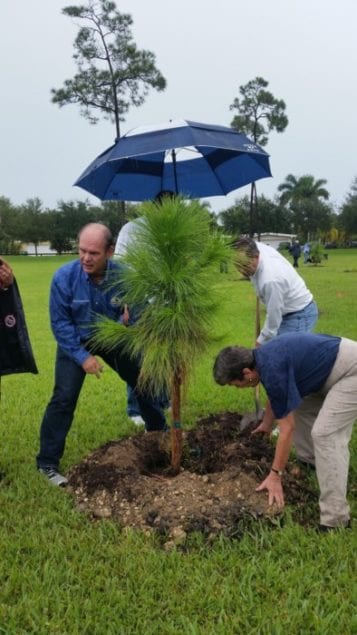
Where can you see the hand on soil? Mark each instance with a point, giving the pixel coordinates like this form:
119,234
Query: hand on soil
263,427
275,490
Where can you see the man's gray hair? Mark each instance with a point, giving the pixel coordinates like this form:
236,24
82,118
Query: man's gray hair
247,246
230,362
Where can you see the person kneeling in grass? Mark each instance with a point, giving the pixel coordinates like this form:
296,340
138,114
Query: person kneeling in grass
311,382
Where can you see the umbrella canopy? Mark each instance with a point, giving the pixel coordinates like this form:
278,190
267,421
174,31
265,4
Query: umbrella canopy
185,157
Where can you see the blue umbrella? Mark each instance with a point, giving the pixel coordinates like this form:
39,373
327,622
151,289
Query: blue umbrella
186,157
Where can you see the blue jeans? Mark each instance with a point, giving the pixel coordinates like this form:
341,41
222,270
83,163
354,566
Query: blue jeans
299,321
133,408
69,378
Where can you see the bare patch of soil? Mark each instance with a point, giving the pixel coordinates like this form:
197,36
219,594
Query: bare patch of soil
128,480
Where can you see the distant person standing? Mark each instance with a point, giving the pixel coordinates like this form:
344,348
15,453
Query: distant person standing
295,251
306,252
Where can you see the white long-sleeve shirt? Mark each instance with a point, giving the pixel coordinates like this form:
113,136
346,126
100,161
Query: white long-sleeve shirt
279,287
126,236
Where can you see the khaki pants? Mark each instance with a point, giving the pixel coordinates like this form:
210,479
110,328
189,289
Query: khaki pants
324,423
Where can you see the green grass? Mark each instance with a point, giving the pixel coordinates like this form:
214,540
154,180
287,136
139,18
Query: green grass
63,574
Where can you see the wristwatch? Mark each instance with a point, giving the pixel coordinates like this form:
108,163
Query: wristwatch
278,472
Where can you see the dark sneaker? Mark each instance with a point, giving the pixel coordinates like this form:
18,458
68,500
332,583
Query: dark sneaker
53,476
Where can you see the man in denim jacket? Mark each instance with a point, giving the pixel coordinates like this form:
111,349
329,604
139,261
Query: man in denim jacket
80,290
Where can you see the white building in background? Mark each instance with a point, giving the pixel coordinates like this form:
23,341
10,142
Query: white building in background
43,249
274,240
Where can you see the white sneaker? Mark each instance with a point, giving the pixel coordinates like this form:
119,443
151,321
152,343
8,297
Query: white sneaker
53,476
139,421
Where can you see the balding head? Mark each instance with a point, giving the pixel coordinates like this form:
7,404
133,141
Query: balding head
95,243
98,230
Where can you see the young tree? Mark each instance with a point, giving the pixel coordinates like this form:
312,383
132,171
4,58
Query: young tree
259,112
113,73
172,272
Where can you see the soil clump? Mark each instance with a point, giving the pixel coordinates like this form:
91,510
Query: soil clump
128,480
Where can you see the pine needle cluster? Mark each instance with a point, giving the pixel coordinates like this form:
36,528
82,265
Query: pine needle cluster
172,274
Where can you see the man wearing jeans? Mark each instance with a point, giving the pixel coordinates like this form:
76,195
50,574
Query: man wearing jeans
81,290
125,238
290,307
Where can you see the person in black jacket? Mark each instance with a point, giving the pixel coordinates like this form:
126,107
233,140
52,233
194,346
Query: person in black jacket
295,251
15,348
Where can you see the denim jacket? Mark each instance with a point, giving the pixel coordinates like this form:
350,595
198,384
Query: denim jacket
75,301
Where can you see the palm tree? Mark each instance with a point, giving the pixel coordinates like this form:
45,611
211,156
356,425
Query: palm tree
304,196
171,272
296,190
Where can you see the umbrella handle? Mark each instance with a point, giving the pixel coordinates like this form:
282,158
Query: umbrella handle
173,154
257,333
257,319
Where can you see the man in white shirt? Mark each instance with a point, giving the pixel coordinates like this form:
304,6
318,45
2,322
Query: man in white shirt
290,306
126,236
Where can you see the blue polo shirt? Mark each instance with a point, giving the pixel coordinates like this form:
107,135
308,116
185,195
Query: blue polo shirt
75,303
294,365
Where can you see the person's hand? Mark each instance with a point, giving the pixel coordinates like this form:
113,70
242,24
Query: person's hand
125,316
92,366
275,489
6,275
264,427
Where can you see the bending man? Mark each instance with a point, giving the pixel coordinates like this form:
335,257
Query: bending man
81,289
311,382
290,307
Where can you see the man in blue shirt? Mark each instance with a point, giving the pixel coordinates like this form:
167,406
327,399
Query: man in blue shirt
80,290
311,382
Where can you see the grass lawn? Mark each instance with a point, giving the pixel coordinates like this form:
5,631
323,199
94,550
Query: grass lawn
63,574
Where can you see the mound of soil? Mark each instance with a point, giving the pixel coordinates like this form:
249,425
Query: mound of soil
129,481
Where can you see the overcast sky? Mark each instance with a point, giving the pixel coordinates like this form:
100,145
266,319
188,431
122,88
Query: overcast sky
206,49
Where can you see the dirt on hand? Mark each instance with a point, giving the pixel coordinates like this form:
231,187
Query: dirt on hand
129,481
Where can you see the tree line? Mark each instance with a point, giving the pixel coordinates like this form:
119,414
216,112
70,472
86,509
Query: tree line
32,223
113,74
300,207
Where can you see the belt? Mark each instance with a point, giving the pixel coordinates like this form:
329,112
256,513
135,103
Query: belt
299,311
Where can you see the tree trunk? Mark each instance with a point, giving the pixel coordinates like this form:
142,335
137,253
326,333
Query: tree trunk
176,430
